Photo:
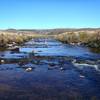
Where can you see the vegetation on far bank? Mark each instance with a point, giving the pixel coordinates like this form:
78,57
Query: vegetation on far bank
88,39
7,38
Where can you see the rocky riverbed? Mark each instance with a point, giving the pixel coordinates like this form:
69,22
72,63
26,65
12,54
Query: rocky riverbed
46,69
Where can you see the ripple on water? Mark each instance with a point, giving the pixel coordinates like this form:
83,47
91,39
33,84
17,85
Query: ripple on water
55,71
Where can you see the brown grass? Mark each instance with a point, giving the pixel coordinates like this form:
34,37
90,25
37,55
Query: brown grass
18,38
90,39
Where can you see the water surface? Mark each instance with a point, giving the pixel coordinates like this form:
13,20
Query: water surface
58,72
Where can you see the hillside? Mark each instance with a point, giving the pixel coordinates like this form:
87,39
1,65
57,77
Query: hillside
52,31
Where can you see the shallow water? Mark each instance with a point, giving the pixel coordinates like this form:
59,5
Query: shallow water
58,72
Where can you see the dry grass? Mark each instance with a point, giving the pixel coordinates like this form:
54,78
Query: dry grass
18,38
90,39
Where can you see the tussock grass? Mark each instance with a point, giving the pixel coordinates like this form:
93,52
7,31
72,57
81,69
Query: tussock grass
89,39
18,38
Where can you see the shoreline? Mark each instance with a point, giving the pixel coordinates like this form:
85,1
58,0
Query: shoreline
84,39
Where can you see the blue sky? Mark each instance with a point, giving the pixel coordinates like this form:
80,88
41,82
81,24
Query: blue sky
43,14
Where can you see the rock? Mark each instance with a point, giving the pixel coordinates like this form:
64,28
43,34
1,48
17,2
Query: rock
28,69
72,43
62,68
15,48
74,61
2,61
81,76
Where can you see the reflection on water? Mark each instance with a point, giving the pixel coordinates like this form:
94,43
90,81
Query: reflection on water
55,48
46,69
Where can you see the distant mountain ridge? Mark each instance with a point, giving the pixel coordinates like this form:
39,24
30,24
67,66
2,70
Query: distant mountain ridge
52,31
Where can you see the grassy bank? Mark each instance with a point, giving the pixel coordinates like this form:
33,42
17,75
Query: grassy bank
16,38
88,39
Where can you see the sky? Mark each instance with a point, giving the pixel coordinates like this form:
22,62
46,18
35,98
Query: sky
49,14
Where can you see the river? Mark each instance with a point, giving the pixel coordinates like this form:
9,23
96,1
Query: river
46,69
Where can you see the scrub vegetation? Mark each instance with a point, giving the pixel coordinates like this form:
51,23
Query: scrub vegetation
7,38
86,38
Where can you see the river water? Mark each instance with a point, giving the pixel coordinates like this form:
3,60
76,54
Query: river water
46,69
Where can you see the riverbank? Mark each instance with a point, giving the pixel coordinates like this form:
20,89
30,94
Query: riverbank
80,38
10,39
